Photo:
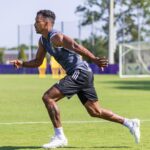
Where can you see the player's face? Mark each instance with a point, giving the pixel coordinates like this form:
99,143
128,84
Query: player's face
40,24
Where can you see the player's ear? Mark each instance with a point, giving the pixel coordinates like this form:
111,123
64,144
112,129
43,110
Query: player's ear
50,23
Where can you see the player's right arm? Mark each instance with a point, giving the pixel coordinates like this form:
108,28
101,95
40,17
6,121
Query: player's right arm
32,63
61,40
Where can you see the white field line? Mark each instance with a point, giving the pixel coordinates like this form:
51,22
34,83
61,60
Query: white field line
64,122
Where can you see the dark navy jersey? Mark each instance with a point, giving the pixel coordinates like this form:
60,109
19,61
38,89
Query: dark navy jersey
68,59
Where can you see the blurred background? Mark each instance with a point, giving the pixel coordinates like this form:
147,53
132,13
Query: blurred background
104,27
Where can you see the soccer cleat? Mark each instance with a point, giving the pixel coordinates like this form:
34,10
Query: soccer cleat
56,142
135,129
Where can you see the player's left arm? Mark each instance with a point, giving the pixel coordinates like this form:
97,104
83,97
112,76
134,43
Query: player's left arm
61,40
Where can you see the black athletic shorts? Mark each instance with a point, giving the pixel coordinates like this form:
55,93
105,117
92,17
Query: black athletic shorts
80,82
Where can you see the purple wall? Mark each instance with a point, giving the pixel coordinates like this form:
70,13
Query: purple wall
111,69
9,69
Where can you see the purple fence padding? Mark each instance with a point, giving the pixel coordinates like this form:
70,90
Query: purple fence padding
111,69
9,69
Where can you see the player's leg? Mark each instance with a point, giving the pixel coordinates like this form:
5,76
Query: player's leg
50,98
66,87
88,97
95,110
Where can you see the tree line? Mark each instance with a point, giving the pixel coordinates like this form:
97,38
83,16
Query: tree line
132,23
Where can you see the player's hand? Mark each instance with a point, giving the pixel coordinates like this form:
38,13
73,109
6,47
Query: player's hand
17,63
102,62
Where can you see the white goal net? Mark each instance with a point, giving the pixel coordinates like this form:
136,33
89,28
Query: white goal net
134,60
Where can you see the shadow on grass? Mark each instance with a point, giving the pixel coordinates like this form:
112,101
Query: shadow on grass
69,147
18,147
100,147
130,85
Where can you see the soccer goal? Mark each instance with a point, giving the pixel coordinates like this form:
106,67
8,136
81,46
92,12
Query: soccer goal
134,60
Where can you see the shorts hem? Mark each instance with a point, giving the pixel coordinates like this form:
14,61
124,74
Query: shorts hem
57,86
84,101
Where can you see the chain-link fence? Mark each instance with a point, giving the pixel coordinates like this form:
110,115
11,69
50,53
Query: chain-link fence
28,36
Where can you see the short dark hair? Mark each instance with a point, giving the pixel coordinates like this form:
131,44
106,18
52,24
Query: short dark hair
47,14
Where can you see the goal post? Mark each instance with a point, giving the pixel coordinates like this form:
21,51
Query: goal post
134,59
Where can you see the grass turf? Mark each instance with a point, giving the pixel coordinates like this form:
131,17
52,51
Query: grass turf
20,101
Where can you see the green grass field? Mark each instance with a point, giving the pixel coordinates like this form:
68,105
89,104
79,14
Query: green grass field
20,101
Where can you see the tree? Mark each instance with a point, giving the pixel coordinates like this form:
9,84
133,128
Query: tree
131,16
1,55
24,46
99,48
22,55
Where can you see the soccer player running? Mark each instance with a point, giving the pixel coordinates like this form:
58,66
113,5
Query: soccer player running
79,79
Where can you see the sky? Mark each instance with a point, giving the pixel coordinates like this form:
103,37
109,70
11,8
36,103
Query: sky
22,12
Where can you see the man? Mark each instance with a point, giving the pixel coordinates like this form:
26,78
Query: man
79,79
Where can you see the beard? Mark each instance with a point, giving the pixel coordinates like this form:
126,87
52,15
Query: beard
37,31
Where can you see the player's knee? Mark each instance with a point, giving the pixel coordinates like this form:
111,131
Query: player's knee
46,99
95,113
